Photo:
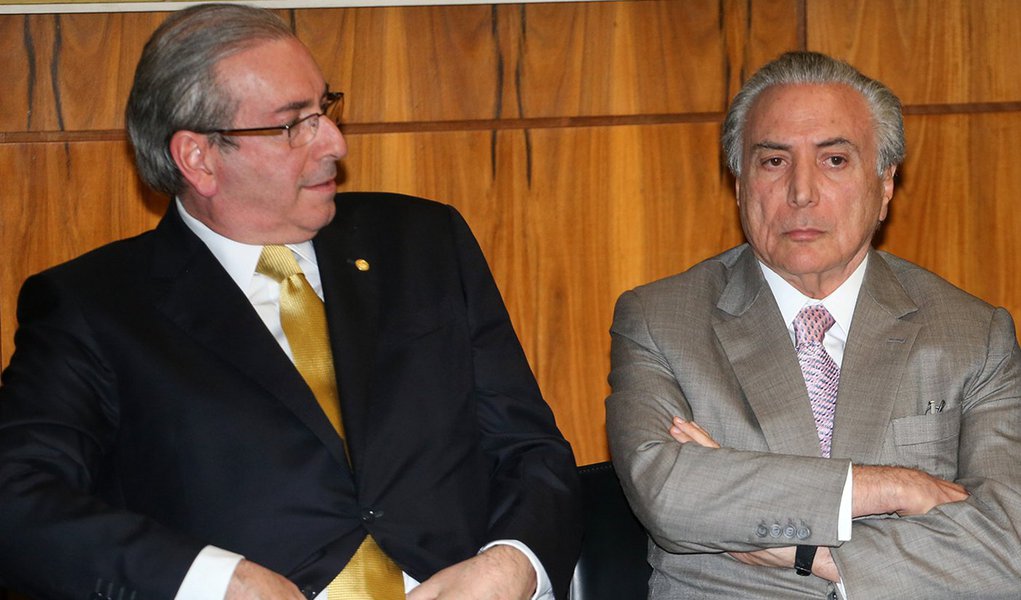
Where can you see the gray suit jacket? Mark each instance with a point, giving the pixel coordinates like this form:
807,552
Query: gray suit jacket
710,344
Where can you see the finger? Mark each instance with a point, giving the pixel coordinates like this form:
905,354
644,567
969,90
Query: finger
678,434
954,492
422,592
694,433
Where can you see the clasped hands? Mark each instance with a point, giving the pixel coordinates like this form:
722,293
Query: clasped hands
499,573
875,491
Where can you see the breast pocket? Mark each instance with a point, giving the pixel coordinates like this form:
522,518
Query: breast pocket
409,325
926,442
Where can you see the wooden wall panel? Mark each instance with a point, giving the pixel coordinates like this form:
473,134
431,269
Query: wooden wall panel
933,52
565,238
622,59
73,71
955,209
408,64
429,64
579,139
63,200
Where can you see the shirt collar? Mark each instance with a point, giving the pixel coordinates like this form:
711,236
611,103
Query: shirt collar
238,259
840,303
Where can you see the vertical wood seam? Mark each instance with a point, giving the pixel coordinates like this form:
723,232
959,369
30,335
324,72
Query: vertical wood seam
29,44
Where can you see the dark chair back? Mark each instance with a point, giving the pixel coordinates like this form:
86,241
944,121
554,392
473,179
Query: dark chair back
613,563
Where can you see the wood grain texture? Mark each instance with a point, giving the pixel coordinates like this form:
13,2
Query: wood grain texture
931,52
71,71
954,210
63,201
407,64
578,139
566,235
616,58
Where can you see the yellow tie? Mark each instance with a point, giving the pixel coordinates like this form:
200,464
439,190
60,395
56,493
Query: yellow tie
370,574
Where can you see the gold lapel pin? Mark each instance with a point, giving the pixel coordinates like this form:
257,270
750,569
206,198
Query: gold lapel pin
361,264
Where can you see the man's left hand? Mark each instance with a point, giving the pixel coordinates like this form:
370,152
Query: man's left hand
781,557
499,573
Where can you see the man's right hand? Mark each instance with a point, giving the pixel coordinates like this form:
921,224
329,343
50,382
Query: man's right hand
885,490
253,582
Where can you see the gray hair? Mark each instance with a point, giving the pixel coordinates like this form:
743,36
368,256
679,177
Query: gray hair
176,85
814,68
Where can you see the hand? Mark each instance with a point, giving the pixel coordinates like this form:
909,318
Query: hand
254,582
782,557
823,566
499,573
689,431
883,490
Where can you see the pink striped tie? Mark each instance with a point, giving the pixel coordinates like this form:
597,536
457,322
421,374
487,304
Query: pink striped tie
822,375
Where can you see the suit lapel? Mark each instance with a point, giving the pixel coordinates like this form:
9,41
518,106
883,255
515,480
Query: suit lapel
760,351
193,291
875,358
350,275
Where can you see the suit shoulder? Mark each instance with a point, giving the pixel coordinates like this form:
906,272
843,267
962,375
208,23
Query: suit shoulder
397,214
114,257
709,276
388,205
929,290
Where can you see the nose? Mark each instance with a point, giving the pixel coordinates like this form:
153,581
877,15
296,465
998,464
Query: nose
802,189
331,139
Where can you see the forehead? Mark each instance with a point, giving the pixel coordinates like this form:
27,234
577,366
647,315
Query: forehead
271,74
811,113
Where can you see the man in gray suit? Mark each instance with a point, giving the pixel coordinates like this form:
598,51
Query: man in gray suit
803,416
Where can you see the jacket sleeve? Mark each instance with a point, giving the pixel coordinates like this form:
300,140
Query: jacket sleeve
970,548
694,499
58,426
533,487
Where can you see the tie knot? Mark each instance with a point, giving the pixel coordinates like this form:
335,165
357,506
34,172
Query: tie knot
277,262
811,324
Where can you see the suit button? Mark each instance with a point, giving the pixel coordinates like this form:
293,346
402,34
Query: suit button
369,515
803,533
775,530
762,531
790,531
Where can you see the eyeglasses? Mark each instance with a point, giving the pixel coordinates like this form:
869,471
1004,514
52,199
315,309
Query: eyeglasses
300,131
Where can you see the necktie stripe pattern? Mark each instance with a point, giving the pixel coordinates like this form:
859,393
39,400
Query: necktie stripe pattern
822,376
370,574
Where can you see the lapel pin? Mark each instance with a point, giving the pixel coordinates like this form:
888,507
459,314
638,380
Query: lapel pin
361,264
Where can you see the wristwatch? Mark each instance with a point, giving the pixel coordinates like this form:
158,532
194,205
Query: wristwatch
803,559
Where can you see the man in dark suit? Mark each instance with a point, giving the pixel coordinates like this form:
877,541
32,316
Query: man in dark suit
164,430
768,395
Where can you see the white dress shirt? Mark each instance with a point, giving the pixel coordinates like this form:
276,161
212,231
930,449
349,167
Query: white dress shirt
211,572
840,304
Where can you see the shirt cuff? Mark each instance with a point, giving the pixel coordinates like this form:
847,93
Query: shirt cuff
209,575
543,586
844,512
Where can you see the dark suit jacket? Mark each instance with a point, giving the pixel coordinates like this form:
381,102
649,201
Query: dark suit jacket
147,412
710,344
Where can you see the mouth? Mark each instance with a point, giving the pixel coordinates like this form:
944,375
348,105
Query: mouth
803,234
327,184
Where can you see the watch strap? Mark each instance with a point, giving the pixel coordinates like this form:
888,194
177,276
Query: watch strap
804,556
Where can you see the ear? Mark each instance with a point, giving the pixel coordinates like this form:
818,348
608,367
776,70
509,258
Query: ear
737,190
193,155
887,183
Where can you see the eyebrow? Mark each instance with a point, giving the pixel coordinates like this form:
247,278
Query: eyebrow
299,105
828,143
